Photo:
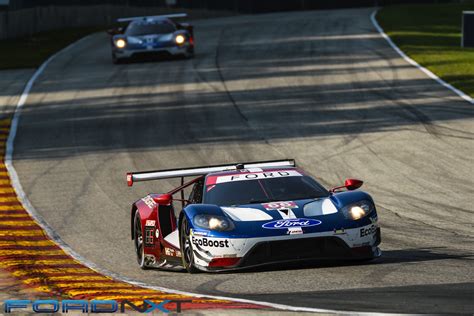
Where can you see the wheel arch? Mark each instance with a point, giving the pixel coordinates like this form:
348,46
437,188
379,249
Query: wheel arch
132,220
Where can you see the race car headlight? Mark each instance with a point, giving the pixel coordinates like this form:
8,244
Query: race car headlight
180,39
212,222
358,210
120,43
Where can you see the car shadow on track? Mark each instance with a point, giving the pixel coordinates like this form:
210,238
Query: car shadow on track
388,257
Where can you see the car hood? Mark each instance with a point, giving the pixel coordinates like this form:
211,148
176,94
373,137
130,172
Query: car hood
276,210
285,217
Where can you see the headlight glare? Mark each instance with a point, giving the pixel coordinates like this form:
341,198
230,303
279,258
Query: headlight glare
180,39
358,210
212,222
120,43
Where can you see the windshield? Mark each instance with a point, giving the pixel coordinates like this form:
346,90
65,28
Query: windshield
263,191
140,28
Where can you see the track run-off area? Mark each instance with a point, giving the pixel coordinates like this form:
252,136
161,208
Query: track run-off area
322,87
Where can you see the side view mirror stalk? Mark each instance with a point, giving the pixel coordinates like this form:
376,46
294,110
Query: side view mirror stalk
349,184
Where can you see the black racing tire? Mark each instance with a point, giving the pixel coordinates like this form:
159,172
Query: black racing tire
186,246
138,241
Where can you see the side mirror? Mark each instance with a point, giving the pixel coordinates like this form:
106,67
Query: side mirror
349,184
164,199
353,184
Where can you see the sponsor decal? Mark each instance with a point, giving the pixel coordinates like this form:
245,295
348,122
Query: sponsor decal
339,231
256,176
157,233
295,231
373,219
170,252
291,222
279,205
368,231
205,242
148,200
150,222
231,255
200,233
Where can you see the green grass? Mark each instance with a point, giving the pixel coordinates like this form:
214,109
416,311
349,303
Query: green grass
32,51
431,35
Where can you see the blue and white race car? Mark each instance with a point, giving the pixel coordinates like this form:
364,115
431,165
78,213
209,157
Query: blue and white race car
152,36
251,214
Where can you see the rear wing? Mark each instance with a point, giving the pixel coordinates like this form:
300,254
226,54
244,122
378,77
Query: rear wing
200,171
153,17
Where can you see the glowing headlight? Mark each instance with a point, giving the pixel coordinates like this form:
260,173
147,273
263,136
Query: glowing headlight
213,222
358,210
180,39
120,43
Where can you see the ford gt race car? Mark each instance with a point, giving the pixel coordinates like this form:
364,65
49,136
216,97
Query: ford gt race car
251,214
152,36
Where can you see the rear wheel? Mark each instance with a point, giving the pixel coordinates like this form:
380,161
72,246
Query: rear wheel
138,241
186,247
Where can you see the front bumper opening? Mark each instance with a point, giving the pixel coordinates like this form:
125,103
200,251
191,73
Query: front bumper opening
319,248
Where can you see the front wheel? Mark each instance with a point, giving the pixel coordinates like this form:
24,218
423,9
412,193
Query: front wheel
186,247
138,241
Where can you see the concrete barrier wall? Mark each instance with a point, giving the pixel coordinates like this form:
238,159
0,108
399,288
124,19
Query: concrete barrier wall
20,23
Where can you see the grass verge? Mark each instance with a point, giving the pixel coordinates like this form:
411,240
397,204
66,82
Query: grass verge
431,35
32,51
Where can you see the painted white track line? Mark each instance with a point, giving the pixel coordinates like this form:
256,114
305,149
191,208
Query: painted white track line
414,63
52,234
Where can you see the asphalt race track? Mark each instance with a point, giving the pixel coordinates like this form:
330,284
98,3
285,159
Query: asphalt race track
321,87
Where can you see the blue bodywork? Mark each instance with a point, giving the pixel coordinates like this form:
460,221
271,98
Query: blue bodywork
252,229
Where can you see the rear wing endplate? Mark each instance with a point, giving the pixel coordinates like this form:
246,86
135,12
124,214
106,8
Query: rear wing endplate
200,171
157,17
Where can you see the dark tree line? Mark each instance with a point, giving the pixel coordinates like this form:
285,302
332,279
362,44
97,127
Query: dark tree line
243,6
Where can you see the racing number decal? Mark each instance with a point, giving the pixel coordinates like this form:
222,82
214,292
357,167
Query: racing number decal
148,200
279,205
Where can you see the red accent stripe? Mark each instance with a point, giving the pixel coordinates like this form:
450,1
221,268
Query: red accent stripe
13,212
34,257
51,282
20,228
16,247
45,275
23,238
16,219
10,203
26,267
8,194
